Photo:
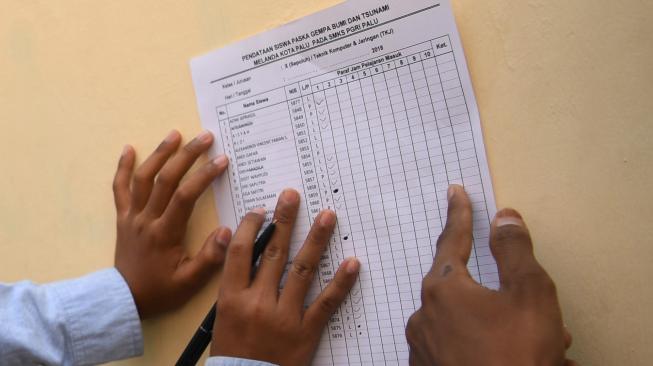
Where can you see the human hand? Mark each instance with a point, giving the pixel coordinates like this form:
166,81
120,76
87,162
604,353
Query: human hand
256,321
462,323
153,210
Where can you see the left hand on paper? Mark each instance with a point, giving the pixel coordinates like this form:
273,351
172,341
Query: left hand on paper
153,207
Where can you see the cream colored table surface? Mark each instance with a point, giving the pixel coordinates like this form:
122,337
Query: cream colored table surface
565,91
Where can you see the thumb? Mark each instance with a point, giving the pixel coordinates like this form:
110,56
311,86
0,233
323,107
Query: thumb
511,245
196,271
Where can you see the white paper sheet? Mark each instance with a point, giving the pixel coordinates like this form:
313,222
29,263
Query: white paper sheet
366,108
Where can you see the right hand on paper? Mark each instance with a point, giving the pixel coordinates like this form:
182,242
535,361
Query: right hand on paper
254,320
462,323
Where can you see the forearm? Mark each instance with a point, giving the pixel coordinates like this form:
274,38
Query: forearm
83,321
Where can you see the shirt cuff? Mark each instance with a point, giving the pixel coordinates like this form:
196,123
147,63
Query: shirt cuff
100,316
233,361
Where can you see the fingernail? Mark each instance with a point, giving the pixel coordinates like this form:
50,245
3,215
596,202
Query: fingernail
205,136
327,218
223,237
508,216
289,196
504,221
221,161
259,211
125,150
172,136
353,265
451,191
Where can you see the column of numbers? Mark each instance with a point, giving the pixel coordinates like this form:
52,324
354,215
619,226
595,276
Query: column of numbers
234,178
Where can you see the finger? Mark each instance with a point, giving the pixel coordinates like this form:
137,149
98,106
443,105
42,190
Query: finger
238,264
183,200
175,169
318,314
195,272
121,191
275,256
512,248
454,245
145,173
304,265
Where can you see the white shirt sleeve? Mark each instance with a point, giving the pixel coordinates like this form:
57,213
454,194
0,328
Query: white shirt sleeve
84,321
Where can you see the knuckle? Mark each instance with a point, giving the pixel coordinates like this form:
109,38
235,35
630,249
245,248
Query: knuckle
252,217
259,309
164,179
237,248
161,237
284,216
274,252
140,224
183,196
303,270
328,304
141,178
192,147
227,304
318,237
432,289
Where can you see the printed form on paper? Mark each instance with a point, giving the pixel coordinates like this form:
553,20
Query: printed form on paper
366,108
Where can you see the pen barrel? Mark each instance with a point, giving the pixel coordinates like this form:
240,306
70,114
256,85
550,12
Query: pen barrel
199,342
204,333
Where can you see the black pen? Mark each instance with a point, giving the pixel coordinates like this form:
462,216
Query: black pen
203,334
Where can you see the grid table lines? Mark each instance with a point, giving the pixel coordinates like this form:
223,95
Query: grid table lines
379,145
328,112
403,93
